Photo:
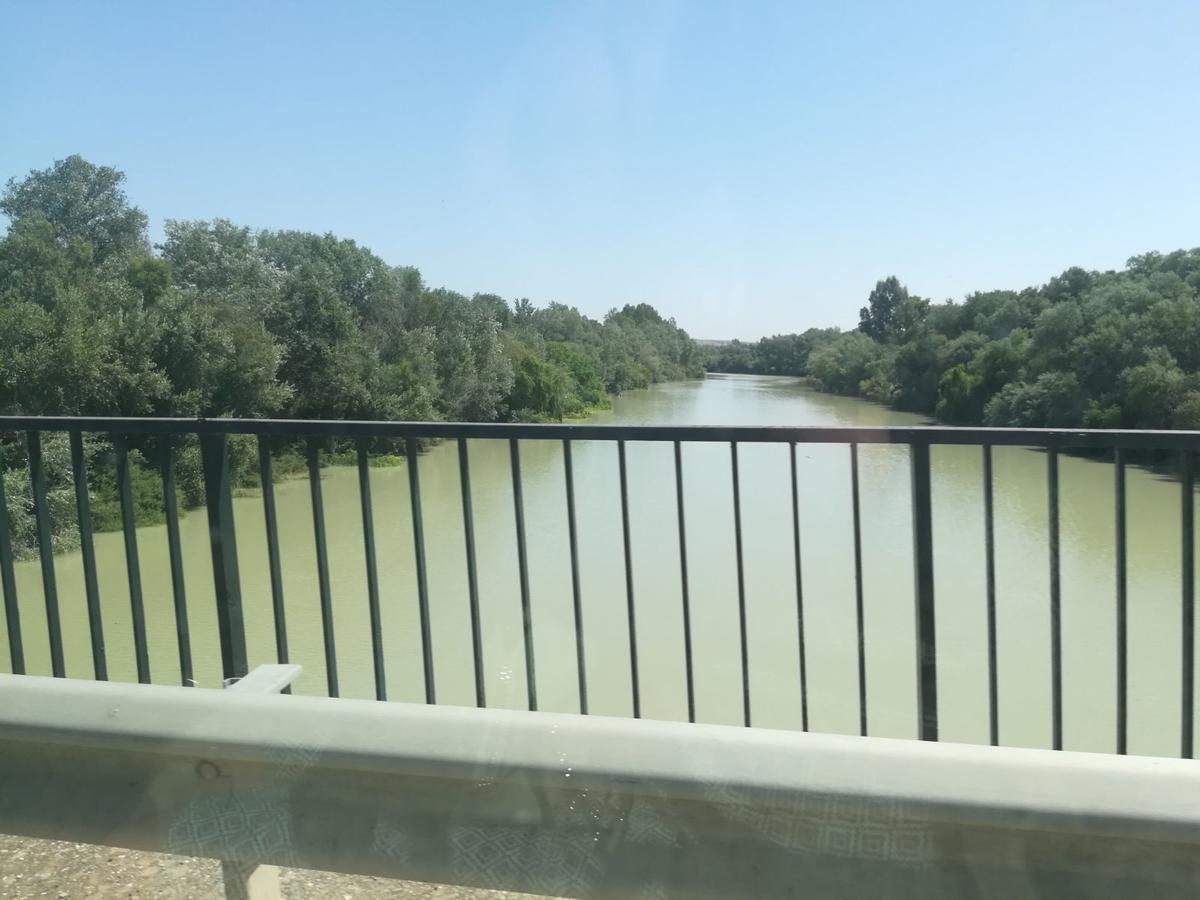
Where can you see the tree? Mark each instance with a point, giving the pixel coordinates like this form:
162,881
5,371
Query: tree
1151,392
150,276
960,400
405,384
1106,350
474,373
219,358
999,362
35,267
880,318
82,203
842,365
223,320
917,368
1053,400
1071,285
1056,330
585,388
324,361
538,388
220,258
739,359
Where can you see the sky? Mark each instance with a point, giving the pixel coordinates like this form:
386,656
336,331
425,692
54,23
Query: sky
748,168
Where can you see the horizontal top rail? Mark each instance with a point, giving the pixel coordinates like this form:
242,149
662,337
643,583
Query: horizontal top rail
1055,438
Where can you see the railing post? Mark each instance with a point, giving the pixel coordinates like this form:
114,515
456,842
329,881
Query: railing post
175,554
927,713
87,552
214,452
12,609
41,512
133,568
1052,521
1187,554
323,590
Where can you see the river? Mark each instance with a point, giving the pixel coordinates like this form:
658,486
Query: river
1088,583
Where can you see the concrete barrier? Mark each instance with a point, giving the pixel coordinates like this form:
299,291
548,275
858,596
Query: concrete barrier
576,806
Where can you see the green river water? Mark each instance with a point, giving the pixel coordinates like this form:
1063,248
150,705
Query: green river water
1088,584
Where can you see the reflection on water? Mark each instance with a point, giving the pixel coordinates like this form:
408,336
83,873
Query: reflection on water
828,587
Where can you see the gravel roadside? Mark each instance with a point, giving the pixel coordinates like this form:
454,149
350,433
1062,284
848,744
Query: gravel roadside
63,871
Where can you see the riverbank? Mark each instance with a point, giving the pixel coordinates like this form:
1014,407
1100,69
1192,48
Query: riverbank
288,460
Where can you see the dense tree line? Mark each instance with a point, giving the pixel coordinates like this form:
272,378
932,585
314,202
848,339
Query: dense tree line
781,354
224,320
1118,349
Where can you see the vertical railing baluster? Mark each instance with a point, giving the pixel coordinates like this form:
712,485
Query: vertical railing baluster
683,584
12,609
266,479
41,512
1187,618
174,551
1187,501
423,585
859,612
222,539
368,524
1122,609
629,606
799,588
989,550
87,549
514,451
741,583
927,703
464,478
576,593
1055,601
323,589
418,530
133,567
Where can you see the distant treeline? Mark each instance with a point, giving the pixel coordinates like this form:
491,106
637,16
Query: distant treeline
223,320
1092,349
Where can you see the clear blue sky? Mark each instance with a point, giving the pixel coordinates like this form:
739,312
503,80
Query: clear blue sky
746,168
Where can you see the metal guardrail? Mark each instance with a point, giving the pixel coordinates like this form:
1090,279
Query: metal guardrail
584,806
213,435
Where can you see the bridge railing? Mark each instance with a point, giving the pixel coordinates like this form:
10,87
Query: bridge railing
213,437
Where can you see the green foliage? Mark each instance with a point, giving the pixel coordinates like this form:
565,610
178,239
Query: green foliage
60,495
84,204
539,387
149,276
1096,349
145,489
1052,400
782,354
584,385
891,314
227,321
959,397
842,365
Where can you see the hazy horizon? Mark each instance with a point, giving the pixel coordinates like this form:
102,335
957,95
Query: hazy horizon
747,172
